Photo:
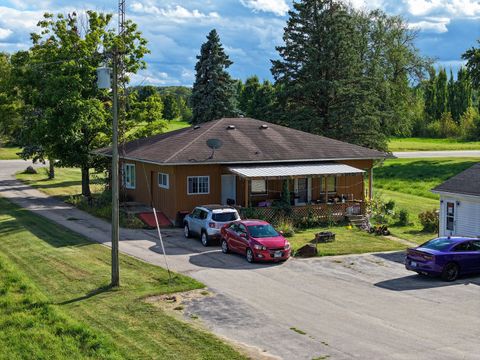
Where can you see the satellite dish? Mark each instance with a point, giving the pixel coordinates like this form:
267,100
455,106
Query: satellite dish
214,144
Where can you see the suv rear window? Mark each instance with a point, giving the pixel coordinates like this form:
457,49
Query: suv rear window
224,217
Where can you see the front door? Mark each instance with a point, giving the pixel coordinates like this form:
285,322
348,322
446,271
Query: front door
302,191
229,189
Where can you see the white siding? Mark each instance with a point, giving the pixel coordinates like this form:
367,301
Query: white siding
467,215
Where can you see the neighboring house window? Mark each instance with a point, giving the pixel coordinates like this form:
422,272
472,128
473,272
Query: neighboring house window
198,185
259,187
331,184
130,176
450,216
163,181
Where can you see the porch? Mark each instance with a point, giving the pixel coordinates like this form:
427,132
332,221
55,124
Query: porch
321,190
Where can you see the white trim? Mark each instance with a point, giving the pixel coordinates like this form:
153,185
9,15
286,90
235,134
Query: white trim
459,195
197,177
167,177
129,180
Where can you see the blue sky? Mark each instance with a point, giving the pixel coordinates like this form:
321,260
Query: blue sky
249,29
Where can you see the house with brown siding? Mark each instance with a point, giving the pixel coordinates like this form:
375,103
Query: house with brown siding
246,163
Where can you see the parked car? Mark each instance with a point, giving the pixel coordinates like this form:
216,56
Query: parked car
447,257
207,221
255,239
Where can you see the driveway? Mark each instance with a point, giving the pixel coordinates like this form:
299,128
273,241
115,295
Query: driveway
437,154
348,307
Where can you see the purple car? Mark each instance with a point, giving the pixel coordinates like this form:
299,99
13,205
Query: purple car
448,257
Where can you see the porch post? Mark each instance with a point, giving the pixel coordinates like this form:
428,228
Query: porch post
246,192
370,184
325,188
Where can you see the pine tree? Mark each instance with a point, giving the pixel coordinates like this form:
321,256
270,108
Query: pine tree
464,93
441,94
213,95
339,68
452,97
430,96
249,90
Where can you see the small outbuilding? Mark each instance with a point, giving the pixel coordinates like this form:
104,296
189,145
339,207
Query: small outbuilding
460,204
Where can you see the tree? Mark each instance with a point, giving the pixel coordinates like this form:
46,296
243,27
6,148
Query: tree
472,56
171,109
213,94
344,73
247,95
69,115
10,104
430,96
442,94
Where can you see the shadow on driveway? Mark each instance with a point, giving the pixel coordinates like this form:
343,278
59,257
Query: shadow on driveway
419,282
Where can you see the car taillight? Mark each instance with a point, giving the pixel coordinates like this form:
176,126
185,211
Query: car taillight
212,225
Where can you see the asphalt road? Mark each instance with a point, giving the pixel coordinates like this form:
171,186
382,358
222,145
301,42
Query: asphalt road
437,154
349,307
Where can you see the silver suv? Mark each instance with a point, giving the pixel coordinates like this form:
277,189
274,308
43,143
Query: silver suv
206,221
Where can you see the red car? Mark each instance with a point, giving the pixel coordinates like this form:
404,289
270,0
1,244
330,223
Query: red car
256,239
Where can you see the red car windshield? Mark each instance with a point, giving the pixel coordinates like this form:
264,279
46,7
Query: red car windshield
262,231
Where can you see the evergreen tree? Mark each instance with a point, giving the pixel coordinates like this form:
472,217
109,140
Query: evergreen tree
263,105
249,90
171,109
463,93
213,95
430,96
441,94
473,65
452,97
338,69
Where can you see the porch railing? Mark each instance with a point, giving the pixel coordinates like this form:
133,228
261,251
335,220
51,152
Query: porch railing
320,212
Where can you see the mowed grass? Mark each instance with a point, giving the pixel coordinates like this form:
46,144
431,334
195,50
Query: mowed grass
9,153
347,241
62,299
408,182
176,125
418,176
68,181
428,144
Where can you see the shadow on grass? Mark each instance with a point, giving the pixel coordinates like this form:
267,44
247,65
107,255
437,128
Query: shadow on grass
90,294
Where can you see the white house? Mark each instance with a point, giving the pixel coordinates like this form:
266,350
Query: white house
460,204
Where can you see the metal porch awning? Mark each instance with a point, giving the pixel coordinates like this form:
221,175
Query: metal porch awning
279,171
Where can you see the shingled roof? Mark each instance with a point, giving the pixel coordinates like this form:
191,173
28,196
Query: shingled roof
244,140
466,183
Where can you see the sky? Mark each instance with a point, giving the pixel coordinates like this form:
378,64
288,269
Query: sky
249,30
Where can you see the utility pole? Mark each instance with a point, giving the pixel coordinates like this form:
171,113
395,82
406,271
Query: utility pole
115,179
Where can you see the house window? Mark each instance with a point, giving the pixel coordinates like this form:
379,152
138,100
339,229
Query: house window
331,184
163,181
198,185
130,179
450,216
259,187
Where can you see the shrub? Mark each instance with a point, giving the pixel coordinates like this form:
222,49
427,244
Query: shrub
286,226
403,218
429,220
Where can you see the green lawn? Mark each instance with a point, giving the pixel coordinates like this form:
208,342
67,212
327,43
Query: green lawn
56,303
9,153
176,125
427,144
347,241
68,181
418,176
408,182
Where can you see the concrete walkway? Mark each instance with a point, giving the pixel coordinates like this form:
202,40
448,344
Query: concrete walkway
348,307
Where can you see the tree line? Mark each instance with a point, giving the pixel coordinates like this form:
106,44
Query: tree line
348,74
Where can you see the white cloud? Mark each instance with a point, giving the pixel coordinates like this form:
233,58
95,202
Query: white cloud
177,13
433,24
278,7
364,4
5,33
18,19
451,7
